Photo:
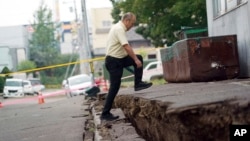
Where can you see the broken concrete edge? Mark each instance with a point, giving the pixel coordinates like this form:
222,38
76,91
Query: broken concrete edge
97,122
109,130
89,127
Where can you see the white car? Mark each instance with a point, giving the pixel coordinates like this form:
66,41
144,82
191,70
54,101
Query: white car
13,88
152,70
37,85
27,87
78,84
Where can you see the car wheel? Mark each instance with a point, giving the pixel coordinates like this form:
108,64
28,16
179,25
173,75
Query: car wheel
22,95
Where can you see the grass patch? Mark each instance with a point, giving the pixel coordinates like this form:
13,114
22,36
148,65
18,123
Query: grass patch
158,81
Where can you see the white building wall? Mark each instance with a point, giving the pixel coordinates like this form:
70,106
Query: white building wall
236,21
5,58
66,46
13,46
101,24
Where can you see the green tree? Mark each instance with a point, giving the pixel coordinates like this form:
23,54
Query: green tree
43,45
26,65
3,78
6,71
158,20
2,82
59,71
62,59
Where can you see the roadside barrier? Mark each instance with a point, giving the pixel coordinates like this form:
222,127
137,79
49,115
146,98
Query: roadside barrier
40,98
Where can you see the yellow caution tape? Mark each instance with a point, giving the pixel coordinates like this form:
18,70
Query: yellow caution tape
59,65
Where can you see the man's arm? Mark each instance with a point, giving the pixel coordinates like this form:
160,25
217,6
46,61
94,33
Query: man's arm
131,53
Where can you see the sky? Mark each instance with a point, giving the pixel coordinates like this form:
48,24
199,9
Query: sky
20,12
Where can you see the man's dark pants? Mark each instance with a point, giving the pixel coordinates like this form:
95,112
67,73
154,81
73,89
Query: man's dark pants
115,68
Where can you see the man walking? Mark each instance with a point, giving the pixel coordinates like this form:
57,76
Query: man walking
118,56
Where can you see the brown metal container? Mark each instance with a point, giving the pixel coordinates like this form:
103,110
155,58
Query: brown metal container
201,59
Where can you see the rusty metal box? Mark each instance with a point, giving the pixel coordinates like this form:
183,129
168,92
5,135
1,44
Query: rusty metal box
201,59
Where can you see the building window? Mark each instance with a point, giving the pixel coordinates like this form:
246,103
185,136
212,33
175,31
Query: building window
71,9
223,6
152,56
106,23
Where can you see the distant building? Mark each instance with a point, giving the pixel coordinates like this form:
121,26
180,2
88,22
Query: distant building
13,46
227,17
102,21
191,32
68,15
136,40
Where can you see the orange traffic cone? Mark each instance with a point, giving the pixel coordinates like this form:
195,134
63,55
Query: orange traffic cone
40,98
1,105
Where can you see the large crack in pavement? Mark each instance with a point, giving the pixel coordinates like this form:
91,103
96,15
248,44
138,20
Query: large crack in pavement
155,121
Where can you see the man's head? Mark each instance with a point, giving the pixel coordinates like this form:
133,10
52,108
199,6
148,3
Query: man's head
128,20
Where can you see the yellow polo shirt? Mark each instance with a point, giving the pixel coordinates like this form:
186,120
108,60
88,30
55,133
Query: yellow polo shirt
116,40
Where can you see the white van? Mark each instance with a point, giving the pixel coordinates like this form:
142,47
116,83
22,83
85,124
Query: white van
13,88
152,70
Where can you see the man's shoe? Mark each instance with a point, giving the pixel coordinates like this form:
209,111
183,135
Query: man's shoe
109,117
142,85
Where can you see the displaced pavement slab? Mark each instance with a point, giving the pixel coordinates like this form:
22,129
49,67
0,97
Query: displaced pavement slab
187,111
188,94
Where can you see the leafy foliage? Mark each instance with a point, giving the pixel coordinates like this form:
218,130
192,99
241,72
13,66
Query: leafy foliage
6,70
26,65
2,82
44,48
158,20
43,45
3,78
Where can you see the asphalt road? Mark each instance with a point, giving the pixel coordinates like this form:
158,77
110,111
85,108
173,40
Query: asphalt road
58,119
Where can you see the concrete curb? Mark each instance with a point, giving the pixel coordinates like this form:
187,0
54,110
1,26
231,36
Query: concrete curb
119,129
97,122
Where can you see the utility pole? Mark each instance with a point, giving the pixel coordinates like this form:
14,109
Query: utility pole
85,49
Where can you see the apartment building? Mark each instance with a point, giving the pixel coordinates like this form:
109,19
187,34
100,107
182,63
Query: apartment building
102,21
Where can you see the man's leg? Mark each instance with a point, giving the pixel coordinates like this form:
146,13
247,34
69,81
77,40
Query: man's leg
128,61
115,69
138,72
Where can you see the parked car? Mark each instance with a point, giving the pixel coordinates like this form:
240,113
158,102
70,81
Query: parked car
13,88
77,85
152,70
37,85
28,88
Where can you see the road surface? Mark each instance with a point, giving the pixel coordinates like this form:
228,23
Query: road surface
58,119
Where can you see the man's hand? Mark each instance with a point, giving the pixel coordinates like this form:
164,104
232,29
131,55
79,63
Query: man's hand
138,63
131,53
